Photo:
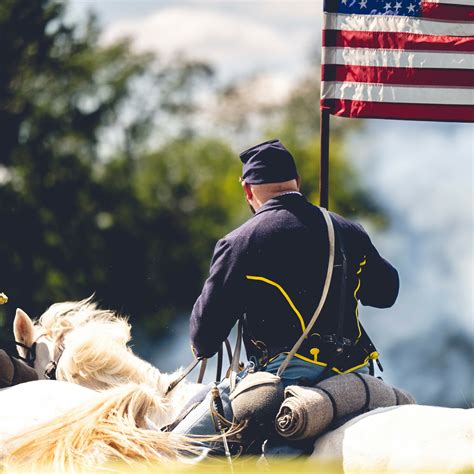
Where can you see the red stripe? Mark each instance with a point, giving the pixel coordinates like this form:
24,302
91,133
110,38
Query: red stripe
391,75
362,109
440,11
392,40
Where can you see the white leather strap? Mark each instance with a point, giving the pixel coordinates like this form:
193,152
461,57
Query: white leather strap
327,284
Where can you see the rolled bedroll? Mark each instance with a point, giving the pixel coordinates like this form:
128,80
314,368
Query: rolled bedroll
309,411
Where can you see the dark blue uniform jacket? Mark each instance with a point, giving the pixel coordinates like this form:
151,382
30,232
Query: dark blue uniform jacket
272,270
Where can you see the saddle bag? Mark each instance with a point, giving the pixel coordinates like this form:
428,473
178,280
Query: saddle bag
244,416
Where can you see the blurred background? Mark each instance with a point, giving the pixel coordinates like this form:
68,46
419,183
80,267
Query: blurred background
121,123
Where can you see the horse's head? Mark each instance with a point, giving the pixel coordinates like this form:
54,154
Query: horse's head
34,346
41,343
87,346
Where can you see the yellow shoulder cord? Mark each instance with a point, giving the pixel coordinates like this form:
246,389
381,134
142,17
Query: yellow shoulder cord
324,294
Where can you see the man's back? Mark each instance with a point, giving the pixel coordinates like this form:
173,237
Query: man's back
272,269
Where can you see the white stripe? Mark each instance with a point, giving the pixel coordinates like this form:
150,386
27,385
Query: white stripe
396,58
396,24
469,3
396,94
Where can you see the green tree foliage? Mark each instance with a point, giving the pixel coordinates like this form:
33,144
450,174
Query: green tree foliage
137,224
72,224
58,89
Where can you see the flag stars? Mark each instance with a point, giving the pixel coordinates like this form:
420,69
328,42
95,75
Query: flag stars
407,8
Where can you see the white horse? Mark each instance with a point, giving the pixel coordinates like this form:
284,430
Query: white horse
88,346
396,439
402,439
62,427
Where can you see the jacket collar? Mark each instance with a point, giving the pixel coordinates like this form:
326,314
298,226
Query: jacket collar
282,201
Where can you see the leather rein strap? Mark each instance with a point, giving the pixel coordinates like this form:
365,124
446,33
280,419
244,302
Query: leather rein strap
327,284
202,369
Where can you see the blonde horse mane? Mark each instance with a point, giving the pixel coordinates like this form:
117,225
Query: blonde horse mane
110,428
61,318
96,356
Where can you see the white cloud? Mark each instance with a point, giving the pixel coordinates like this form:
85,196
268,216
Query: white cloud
236,44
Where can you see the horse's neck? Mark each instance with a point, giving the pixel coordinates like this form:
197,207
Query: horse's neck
184,391
181,394
161,381
169,405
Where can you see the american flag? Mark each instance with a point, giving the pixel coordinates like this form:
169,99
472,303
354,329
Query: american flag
399,59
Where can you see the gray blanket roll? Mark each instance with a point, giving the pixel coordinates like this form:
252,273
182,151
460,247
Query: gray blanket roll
308,412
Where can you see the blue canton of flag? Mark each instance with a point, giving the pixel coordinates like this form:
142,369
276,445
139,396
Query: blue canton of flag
377,7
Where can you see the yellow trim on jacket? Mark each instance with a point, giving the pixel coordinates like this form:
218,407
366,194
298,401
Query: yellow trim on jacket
357,299
284,293
315,350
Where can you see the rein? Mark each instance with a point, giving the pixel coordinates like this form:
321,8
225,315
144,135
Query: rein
202,370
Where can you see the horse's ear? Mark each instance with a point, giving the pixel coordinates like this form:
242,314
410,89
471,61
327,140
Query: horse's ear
23,328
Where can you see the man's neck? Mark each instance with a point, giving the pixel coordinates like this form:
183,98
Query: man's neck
261,203
284,193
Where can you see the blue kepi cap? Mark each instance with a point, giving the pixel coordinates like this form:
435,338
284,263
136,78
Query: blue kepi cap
268,162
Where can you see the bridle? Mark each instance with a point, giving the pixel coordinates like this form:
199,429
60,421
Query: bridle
52,365
50,369
30,353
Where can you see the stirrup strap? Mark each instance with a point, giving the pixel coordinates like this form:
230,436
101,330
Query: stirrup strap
202,370
327,283
234,368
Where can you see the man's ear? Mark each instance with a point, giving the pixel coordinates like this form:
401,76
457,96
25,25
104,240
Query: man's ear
248,191
298,182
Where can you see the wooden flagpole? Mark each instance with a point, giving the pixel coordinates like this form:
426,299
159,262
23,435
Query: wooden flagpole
324,160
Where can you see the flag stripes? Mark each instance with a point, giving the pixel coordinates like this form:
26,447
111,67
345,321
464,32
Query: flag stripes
400,76
398,58
431,112
408,41
379,23
405,59
447,12
403,94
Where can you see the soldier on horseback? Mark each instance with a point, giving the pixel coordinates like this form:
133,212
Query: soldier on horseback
271,271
